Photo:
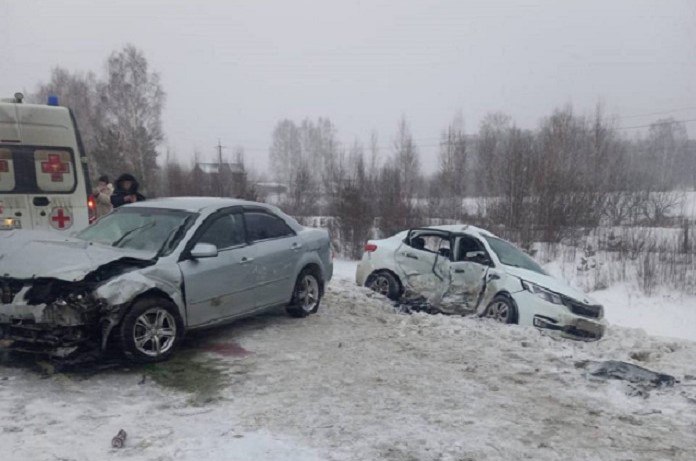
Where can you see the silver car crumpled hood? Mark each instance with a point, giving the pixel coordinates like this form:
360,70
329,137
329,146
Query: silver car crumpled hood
63,296
68,259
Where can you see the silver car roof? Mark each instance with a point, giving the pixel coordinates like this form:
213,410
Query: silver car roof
195,204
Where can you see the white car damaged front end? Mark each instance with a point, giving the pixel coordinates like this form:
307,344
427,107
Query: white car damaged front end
546,303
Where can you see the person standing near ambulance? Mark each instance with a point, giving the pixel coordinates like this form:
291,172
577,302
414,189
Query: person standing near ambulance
102,195
126,191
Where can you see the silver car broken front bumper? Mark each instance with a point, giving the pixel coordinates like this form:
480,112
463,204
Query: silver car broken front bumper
56,329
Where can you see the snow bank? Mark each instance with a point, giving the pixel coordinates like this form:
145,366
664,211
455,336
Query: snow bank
358,381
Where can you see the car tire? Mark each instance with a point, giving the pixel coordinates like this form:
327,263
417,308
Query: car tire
384,283
151,330
501,309
306,295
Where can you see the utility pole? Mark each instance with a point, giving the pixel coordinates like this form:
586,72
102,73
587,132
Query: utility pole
219,150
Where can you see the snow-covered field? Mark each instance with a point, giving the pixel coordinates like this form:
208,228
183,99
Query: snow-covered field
360,382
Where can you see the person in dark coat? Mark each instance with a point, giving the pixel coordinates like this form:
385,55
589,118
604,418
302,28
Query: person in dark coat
126,191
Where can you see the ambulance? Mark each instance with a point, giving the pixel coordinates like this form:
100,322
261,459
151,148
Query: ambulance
43,169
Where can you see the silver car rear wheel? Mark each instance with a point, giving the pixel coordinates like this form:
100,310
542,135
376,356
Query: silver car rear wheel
308,295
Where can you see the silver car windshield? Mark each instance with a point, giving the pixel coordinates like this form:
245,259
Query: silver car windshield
139,228
510,255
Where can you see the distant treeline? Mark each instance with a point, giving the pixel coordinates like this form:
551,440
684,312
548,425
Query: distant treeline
572,171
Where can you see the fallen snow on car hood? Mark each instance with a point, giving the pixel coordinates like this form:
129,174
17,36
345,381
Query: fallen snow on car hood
25,256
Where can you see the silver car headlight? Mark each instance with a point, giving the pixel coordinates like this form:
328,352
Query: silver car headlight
541,292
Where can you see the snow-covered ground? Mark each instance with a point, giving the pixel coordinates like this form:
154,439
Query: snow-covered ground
667,314
358,381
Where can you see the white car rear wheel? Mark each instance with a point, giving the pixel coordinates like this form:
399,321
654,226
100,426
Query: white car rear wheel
384,283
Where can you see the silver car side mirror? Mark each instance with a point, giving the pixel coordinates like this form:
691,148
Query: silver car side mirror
204,250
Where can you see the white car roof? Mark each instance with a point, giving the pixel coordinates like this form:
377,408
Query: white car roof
463,229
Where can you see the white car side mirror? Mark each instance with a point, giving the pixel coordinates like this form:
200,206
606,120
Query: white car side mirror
204,250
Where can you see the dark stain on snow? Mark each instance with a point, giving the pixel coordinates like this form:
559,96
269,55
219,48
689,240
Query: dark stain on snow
228,349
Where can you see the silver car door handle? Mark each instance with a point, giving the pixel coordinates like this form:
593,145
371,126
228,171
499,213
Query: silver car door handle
459,271
411,255
246,260
296,246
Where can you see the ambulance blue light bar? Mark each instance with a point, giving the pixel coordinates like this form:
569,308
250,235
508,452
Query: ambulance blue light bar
52,100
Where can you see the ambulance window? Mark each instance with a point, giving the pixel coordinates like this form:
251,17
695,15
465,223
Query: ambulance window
55,170
7,175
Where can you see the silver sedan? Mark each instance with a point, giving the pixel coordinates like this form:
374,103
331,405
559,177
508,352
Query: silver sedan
145,274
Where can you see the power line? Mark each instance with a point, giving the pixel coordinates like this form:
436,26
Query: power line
419,144
667,122
682,109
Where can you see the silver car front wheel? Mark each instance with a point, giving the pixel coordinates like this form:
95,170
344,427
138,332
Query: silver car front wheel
151,330
154,332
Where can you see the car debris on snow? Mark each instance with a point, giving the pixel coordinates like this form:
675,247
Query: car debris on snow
119,441
615,369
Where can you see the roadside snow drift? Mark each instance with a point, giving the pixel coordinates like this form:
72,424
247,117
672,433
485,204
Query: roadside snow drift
358,381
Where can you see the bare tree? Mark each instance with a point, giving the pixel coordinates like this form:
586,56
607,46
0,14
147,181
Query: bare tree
668,154
451,178
132,100
489,160
374,164
285,152
406,159
354,207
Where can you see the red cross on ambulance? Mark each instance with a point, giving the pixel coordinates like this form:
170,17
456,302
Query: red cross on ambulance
61,218
56,167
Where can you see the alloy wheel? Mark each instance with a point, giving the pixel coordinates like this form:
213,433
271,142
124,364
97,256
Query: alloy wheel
308,294
499,311
154,332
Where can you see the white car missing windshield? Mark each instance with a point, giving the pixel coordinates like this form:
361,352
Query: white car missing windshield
466,270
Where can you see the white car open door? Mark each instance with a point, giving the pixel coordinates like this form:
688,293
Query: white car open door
468,273
423,258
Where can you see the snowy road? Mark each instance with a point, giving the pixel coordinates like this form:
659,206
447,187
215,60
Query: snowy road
359,382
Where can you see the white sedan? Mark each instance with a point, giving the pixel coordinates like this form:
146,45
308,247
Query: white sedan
466,270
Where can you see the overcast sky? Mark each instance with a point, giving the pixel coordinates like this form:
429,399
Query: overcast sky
232,69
